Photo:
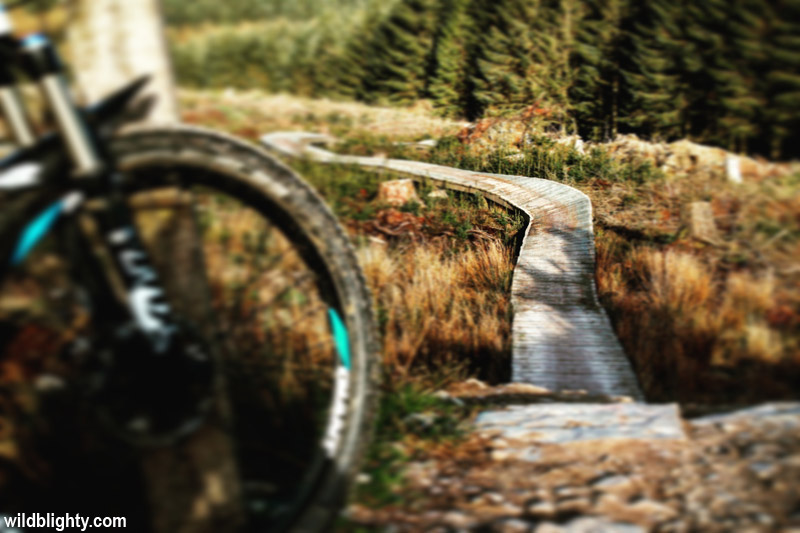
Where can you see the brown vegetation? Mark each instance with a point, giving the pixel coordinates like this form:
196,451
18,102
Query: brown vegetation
693,337
253,113
445,312
703,322
439,271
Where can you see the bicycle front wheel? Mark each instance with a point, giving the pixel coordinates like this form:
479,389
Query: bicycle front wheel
253,260
290,303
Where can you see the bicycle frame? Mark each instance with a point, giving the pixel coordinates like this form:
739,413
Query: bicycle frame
75,164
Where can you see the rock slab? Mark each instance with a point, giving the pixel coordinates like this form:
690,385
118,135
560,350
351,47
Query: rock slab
558,423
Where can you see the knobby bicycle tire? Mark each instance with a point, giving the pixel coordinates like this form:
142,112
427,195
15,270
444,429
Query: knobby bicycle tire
160,158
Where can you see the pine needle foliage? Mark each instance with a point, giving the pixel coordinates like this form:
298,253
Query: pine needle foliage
724,72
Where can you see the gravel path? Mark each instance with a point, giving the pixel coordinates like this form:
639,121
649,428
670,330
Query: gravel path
731,473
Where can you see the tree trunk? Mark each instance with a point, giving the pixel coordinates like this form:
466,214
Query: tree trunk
113,42
192,486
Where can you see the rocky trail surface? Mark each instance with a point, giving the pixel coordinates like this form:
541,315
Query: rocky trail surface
552,465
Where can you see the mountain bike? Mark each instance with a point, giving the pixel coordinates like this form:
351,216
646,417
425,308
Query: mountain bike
187,339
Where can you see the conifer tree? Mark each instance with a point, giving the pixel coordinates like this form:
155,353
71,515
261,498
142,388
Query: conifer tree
398,63
780,117
736,75
345,74
585,93
504,66
554,39
704,29
328,58
447,83
651,48
525,60
481,14
725,72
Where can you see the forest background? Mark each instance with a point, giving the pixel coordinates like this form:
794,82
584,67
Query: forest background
718,72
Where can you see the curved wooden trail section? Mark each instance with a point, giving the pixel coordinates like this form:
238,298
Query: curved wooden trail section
562,338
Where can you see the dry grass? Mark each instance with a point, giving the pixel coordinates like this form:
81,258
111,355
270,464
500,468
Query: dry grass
705,322
252,113
443,311
694,334
708,323
443,307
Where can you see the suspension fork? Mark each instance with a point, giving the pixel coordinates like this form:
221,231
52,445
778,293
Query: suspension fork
14,111
10,101
92,163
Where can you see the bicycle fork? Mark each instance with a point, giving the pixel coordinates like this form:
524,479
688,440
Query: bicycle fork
156,375
145,297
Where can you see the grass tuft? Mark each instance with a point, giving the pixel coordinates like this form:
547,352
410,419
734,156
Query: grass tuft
442,310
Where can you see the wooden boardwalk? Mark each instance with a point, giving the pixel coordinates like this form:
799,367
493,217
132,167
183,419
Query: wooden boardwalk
562,337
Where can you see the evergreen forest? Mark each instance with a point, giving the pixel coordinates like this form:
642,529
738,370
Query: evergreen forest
721,72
